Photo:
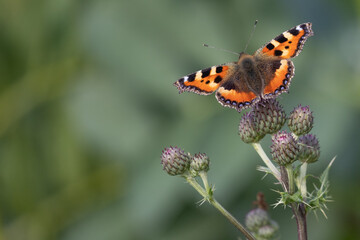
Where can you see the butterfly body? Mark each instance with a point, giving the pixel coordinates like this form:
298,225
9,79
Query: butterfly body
266,74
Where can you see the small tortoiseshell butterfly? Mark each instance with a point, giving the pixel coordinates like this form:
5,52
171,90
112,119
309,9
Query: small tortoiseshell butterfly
266,74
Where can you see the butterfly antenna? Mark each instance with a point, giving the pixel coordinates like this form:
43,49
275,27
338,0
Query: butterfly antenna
209,46
252,33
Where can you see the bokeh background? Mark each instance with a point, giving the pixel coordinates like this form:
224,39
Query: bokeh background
87,104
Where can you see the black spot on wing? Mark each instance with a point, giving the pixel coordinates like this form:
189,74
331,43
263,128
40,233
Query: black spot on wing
219,69
191,77
205,72
281,38
217,79
270,46
278,52
294,31
303,26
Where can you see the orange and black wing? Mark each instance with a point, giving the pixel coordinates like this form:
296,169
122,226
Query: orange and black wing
204,81
288,44
273,59
277,75
235,93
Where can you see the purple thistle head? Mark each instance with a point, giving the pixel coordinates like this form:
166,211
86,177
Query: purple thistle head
309,148
256,218
248,129
175,161
269,116
301,120
268,231
200,162
284,148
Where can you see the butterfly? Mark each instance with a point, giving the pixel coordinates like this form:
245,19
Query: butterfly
263,75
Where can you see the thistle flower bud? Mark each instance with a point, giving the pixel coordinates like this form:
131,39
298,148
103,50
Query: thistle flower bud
301,120
200,162
175,161
268,231
269,116
284,148
256,218
309,148
248,130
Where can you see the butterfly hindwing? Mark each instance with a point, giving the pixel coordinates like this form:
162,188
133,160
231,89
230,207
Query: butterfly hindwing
288,44
204,81
235,93
278,80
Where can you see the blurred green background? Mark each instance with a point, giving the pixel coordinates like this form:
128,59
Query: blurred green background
87,104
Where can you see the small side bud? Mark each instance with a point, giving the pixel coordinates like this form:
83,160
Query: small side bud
309,148
256,218
259,222
199,163
269,116
284,148
269,231
301,120
175,161
248,130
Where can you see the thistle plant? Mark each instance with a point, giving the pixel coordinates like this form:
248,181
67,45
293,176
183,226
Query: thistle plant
291,153
191,167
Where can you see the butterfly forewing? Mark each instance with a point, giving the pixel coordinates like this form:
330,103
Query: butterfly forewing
204,81
288,44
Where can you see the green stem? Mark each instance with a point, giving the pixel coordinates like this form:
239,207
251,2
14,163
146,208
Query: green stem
218,206
290,173
203,176
302,181
267,161
300,216
298,209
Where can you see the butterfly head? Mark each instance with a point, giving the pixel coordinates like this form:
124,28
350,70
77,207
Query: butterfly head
244,56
